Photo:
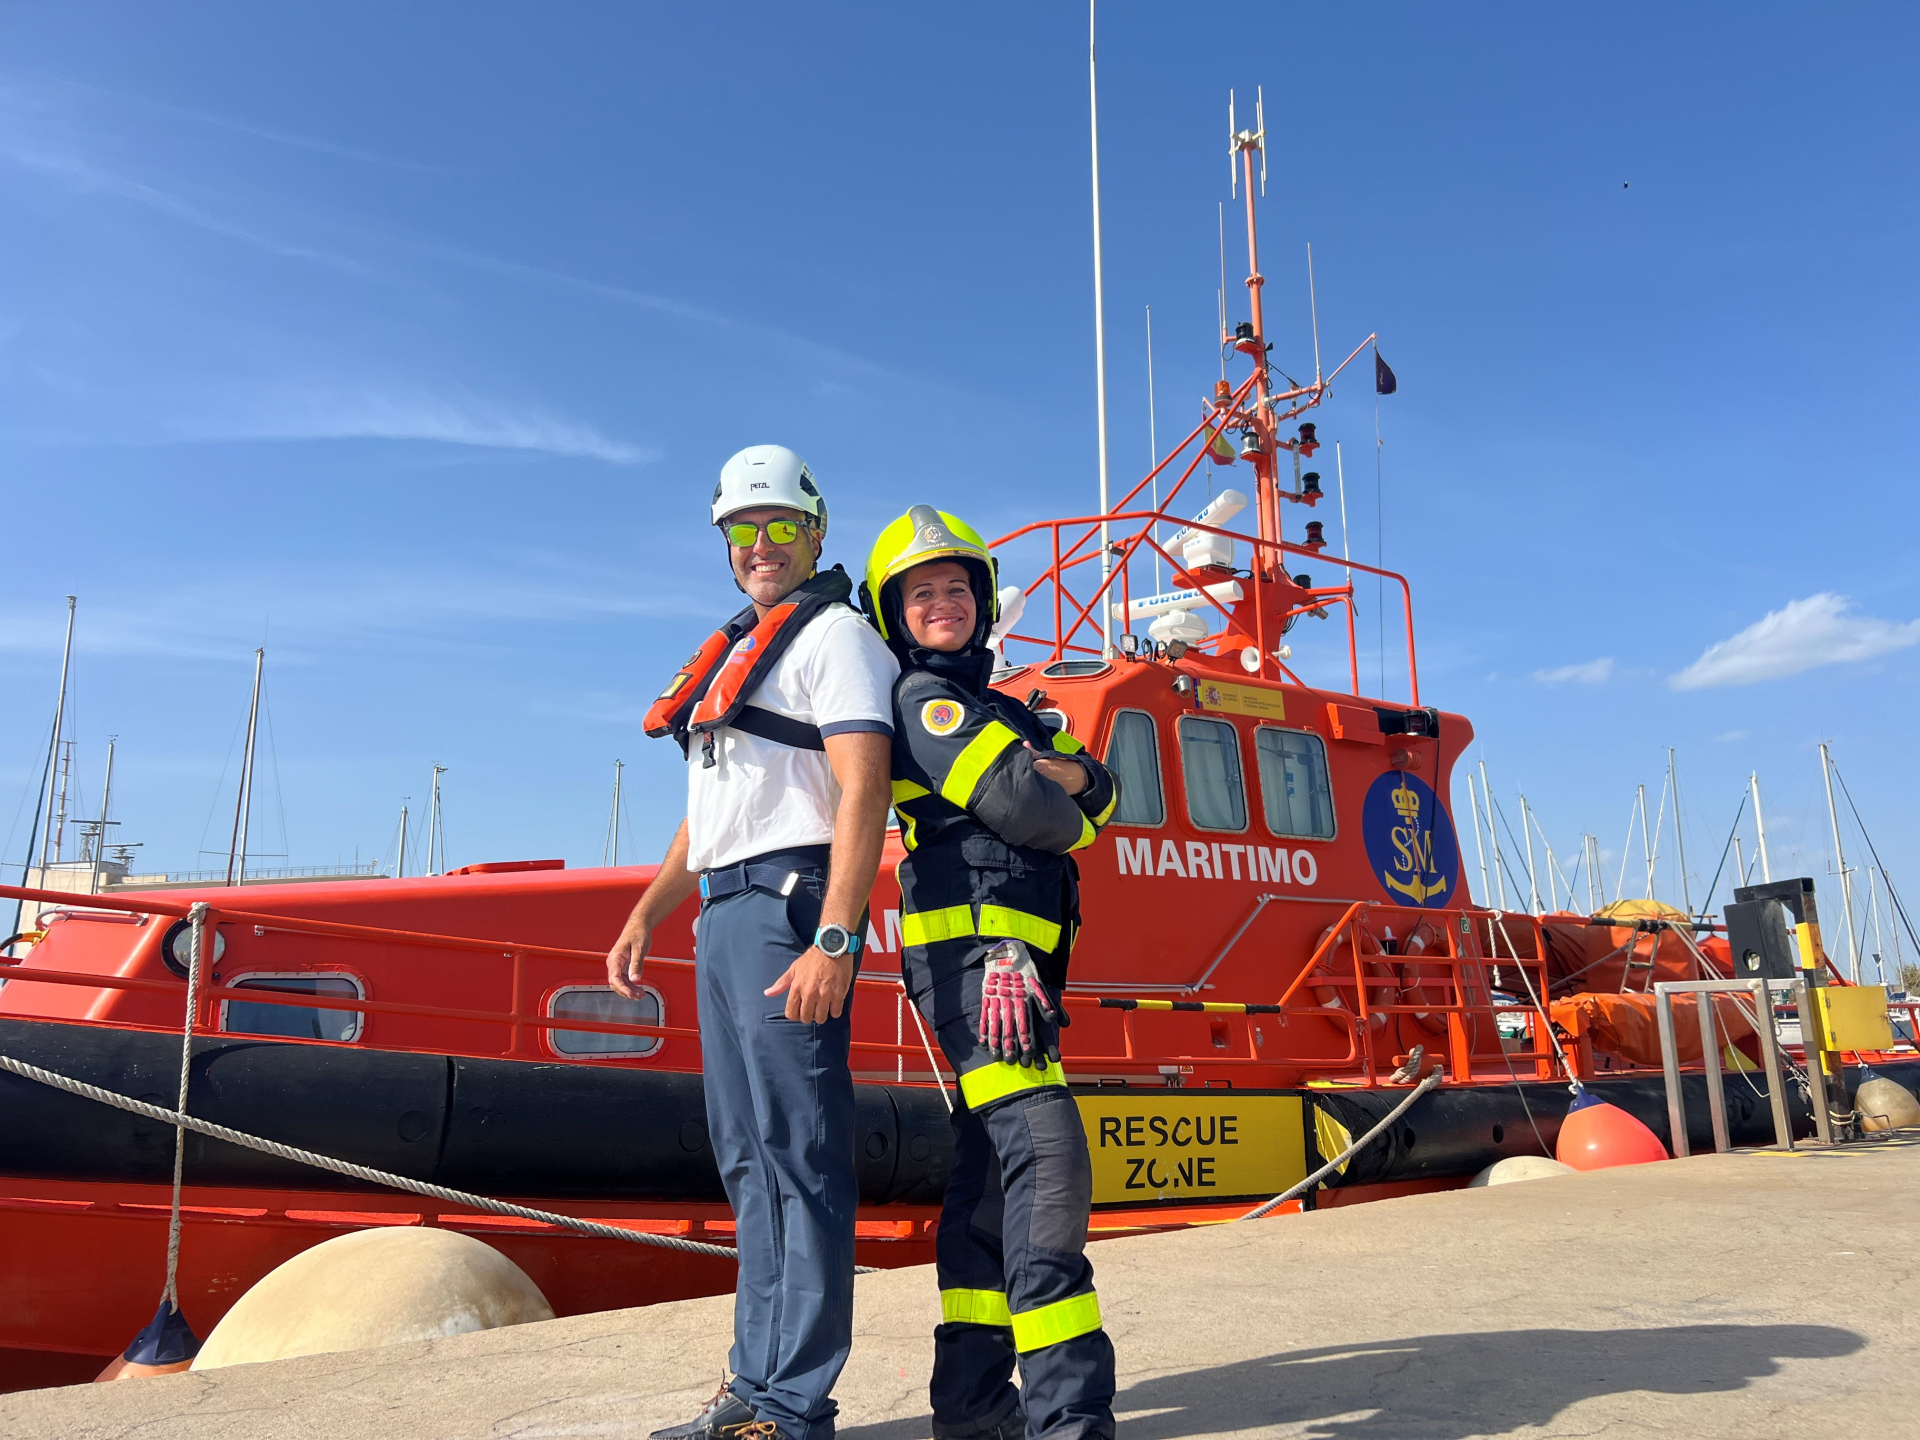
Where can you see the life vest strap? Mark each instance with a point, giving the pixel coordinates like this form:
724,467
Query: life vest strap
780,729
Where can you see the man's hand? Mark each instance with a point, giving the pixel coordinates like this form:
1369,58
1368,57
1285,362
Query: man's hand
624,960
816,986
1069,774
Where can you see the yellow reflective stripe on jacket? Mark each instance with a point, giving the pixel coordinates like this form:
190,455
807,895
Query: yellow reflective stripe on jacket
1003,1078
903,791
964,776
1018,925
925,927
975,1307
1062,1320
1065,744
1107,814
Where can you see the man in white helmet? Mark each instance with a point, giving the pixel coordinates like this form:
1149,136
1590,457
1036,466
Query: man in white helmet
786,717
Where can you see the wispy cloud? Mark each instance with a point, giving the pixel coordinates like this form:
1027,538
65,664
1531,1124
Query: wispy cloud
320,413
81,176
315,611
1589,672
1801,635
1729,737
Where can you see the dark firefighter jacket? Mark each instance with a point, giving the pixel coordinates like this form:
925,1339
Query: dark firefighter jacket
988,838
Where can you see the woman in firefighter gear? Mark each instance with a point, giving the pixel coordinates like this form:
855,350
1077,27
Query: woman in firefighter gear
991,805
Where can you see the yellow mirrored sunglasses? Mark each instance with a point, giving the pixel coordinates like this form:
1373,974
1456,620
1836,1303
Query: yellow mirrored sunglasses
743,533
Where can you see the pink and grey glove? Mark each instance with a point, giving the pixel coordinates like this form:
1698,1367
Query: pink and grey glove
1009,990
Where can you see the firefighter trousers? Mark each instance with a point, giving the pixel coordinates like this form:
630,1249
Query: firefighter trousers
1016,1288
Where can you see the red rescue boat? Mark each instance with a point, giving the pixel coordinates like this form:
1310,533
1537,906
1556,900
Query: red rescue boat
1277,923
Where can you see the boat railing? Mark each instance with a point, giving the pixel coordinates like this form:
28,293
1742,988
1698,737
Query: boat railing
909,1053
1451,981
1078,541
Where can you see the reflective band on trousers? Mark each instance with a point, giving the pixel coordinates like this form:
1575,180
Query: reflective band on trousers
1062,1320
964,776
927,927
1007,924
975,1307
1003,1078
955,922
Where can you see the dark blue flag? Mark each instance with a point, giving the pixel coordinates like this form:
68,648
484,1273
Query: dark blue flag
1383,379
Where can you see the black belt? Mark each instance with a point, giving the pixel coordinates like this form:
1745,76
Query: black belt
776,872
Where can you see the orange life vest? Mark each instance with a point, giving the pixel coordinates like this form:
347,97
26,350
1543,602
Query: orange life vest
712,689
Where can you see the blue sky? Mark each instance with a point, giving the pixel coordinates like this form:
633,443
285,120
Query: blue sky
408,340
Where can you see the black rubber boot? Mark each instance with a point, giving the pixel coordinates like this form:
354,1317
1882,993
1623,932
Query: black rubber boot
725,1417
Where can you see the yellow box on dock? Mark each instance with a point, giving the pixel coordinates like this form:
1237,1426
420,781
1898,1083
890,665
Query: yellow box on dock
1852,1017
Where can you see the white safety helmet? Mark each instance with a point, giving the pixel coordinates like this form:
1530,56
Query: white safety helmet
768,475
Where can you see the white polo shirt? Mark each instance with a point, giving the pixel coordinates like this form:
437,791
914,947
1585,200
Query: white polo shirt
759,796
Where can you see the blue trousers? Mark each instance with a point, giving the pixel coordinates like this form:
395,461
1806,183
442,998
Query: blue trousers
780,1112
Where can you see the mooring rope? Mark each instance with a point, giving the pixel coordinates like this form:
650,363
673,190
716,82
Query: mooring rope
1434,1078
197,915
367,1172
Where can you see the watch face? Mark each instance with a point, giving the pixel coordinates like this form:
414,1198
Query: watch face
832,940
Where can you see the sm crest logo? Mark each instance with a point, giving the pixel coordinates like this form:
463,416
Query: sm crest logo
1411,845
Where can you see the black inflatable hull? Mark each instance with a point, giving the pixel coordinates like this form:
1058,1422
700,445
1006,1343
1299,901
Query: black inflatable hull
1452,1132
588,1132
493,1127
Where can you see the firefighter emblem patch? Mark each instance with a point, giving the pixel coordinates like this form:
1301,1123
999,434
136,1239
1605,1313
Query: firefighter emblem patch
941,717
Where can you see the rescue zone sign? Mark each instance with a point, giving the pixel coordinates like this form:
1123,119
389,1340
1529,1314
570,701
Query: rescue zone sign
1192,1146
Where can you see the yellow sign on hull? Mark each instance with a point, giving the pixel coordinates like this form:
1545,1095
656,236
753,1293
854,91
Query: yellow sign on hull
1227,698
1191,1146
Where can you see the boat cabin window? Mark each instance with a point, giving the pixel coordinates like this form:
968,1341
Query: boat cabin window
1133,755
598,1003
1210,765
297,1022
1052,719
1293,783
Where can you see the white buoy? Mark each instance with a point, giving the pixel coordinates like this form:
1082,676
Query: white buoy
1886,1105
374,1287
1514,1168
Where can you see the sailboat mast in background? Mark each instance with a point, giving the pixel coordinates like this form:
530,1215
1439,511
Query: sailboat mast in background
48,786
243,803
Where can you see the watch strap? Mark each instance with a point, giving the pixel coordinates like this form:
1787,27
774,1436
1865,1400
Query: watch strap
854,940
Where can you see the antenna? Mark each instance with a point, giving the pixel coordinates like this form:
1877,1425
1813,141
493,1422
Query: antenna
1222,291
1313,300
1260,125
1099,339
1153,447
1233,158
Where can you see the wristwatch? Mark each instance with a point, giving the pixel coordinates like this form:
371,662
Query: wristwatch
833,941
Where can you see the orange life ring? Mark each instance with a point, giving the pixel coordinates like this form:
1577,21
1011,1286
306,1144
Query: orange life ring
1378,978
1425,984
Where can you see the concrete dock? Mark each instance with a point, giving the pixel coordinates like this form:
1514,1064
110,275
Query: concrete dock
1750,1295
